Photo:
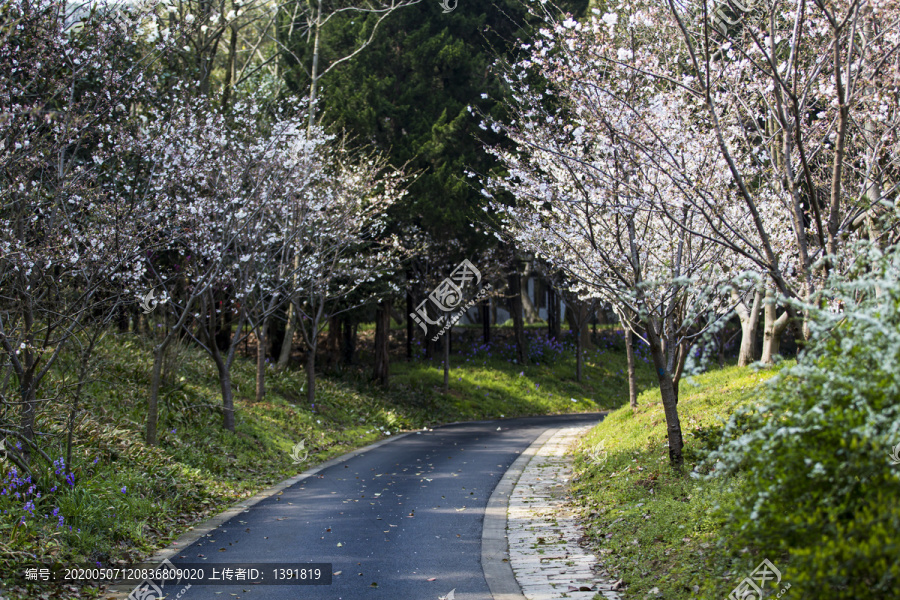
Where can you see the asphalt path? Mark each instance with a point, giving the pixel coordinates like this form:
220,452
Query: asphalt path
402,521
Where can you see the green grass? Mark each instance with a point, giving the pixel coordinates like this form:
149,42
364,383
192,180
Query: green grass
489,383
129,499
652,527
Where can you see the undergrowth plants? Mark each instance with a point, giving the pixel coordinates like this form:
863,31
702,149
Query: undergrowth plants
794,464
818,485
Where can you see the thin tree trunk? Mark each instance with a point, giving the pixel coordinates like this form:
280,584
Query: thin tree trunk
486,320
211,338
153,401
632,382
311,373
584,322
25,373
288,344
410,326
333,341
834,217
156,375
123,319
554,314
429,347
261,353
382,342
229,71
515,307
227,398
82,375
718,337
669,398
579,353
772,329
749,322
528,310
348,341
684,349
447,360
223,334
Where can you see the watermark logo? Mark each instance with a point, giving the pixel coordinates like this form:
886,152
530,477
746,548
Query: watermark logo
447,296
445,4
146,590
149,590
149,302
895,455
449,596
751,588
296,451
728,13
598,453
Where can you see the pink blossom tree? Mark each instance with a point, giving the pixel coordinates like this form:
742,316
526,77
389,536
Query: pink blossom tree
71,227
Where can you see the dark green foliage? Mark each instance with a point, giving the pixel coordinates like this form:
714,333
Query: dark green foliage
408,95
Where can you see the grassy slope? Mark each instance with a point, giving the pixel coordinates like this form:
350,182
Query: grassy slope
128,499
654,528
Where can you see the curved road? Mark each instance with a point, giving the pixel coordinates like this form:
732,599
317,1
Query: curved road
389,520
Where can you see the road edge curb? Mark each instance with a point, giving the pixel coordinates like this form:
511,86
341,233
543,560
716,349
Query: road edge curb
494,543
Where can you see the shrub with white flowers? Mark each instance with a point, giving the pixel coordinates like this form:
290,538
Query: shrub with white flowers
816,486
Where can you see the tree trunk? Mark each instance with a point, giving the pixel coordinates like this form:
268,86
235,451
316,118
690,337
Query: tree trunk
261,353
577,318
287,345
720,342
429,347
123,319
553,314
515,307
137,321
410,325
749,323
333,341
772,329
311,374
222,334
29,403
229,71
382,342
579,353
684,349
584,319
153,400
528,309
348,341
632,382
669,398
486,320
227,398
447,359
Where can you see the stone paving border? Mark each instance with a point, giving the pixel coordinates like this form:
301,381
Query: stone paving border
543,531
494,545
